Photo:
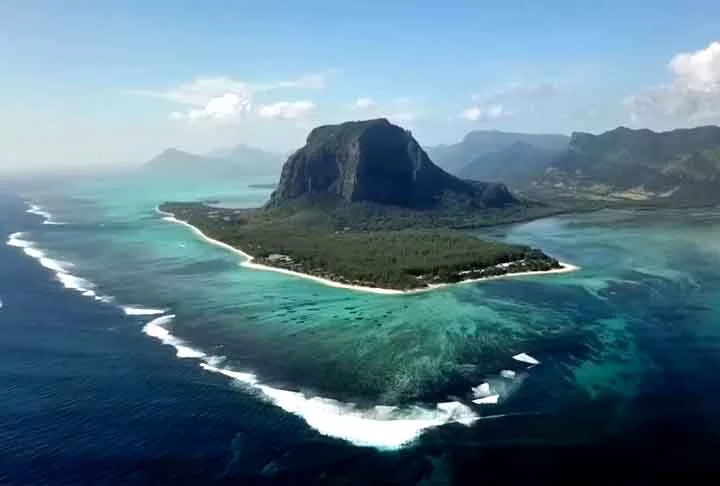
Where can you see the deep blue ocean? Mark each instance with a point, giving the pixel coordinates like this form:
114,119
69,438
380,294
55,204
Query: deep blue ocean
133,352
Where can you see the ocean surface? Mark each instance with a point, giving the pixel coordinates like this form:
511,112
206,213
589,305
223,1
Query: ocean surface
133,352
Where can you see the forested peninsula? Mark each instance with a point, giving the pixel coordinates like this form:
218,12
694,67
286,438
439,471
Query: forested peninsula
361,204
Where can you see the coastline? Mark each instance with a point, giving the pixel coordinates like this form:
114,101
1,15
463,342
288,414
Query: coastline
249,263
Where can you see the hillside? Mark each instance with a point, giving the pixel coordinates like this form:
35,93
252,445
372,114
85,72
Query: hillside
511,164
455,158
679,167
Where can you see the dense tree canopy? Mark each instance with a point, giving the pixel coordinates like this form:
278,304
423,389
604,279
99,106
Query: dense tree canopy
393,258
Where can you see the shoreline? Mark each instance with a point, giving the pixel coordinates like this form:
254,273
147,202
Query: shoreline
249,263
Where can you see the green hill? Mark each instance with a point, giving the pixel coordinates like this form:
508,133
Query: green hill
679,167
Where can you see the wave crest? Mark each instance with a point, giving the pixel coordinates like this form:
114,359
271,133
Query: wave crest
382,426
47,216
59,267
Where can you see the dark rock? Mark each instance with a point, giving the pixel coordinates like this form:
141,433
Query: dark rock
377,162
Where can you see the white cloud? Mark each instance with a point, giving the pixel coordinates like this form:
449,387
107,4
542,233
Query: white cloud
474,113
700,69
286,110
507,101
398,110
227,107
225,99
306,81
218,98
693,95
364,103
488,112
197,92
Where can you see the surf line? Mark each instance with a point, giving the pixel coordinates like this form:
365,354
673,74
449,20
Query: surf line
381,426
60,268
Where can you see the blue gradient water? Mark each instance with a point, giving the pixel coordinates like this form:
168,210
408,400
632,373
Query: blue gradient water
277,380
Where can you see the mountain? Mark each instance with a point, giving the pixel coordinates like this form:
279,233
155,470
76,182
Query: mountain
258,161
174,159
514,163
454,158
376,162
676,167
235,162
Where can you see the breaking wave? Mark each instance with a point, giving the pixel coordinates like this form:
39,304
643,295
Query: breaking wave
42,212
381,426
59,267
141,311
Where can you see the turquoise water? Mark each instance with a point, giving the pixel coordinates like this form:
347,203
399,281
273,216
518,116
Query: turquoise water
635,328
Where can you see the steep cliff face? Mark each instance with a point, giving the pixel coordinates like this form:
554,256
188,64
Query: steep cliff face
378,162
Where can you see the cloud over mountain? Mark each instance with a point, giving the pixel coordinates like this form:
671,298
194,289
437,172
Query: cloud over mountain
692,96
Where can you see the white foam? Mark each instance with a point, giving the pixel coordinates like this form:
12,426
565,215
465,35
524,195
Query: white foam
481,390
60,268
215,360
40,211
15,239
54,265
526,358
141,311
492,399
509,374
72,282
247,378
29,249
155,329
382,426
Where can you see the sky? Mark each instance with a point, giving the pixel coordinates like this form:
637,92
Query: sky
85,83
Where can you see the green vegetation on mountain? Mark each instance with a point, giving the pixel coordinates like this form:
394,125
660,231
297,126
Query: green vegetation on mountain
675,168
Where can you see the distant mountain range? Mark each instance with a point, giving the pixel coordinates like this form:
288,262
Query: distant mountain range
675,168
678,167
374,161
510,164
476,145
240,160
